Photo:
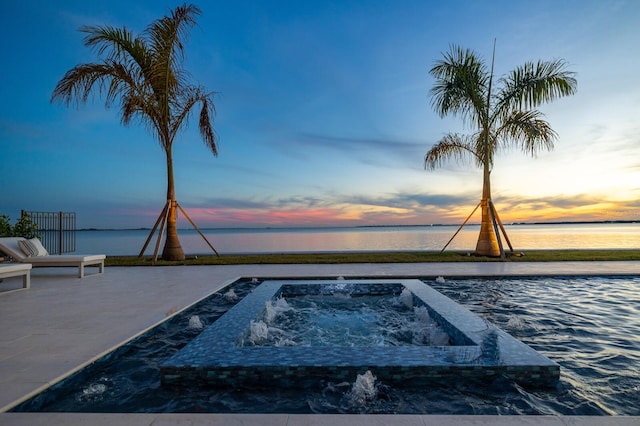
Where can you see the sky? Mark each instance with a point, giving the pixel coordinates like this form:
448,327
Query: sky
323,114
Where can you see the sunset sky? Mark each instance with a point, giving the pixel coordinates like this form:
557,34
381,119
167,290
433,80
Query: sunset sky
323,114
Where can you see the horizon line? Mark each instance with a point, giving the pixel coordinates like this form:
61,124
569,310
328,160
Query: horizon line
578,222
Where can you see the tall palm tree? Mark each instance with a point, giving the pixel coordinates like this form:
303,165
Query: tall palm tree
506,117
145,74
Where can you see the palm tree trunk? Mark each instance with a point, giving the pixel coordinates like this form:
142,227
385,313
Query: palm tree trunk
172,248
487,244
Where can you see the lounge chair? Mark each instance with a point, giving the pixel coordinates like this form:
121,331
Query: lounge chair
11,247
23,270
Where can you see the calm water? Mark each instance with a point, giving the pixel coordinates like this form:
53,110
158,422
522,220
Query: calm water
281,240
589,325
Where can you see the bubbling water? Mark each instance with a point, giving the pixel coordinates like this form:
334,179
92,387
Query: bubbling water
343,320
364,389
274,308
515,323
259,332
94,391
426,331
365,395
195,323
406,297
231,295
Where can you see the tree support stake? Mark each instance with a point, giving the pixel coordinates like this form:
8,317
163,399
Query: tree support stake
162,220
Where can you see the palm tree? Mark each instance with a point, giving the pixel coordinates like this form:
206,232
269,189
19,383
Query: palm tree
145,74
505,118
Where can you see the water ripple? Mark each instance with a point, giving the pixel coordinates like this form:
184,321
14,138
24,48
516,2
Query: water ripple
587,325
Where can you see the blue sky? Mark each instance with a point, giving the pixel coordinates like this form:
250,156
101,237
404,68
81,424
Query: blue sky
323,114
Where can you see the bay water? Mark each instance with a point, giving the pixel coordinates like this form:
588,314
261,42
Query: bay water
373,238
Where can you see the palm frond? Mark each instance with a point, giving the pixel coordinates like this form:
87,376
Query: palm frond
117,44
529,131
452,147
79,82
145,74
190,97
166,39
207,112
107,40
531,85
123,81
461,85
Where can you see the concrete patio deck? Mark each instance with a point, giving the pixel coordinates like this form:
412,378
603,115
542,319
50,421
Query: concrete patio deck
62,323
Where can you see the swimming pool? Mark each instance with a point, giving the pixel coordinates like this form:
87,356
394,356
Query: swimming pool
587,325
473,349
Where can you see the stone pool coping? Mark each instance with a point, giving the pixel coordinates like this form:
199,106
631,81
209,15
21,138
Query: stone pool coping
481,352
61,324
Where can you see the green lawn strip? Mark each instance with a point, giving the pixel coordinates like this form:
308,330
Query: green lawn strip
381,257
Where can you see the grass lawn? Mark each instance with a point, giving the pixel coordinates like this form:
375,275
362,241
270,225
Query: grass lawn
381,257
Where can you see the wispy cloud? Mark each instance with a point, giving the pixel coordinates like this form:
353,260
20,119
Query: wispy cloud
387,152
335,209
567,207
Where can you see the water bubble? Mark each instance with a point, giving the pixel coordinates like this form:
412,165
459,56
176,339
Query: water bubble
194,322
95,389
422,315
273,308
364,389
515,323
258,332
440,280
286,342
230,296
93,392
406,297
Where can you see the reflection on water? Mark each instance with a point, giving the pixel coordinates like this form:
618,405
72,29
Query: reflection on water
281,240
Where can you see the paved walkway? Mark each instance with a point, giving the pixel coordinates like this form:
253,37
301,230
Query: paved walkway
62,323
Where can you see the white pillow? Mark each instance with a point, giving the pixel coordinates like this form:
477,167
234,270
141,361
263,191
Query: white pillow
32,247
39,248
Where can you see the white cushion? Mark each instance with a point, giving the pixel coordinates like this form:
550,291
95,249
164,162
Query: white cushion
33,248
40,250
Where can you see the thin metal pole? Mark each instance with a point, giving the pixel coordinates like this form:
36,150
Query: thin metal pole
59,232
459,229
197,229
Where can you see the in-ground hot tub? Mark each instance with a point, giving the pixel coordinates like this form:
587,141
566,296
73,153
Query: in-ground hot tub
475,349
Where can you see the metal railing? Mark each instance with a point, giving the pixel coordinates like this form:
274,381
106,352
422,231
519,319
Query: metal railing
56,230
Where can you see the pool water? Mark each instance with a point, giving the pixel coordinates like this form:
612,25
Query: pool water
343,320
589,325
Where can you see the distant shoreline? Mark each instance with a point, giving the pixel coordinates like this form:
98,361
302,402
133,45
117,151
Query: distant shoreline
300,228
